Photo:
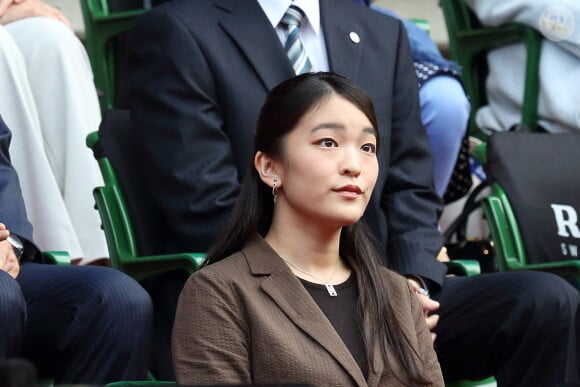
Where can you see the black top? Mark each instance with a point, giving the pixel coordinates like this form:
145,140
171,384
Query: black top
342,313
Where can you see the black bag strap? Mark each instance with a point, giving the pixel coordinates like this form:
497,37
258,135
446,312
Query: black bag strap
459,226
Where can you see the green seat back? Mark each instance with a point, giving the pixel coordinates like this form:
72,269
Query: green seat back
118,227
102,27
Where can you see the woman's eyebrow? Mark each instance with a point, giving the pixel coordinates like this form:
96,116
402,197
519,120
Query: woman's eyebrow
328,125
370,130
337,126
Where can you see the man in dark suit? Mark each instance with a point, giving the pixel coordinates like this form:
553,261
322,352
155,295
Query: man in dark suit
76,324
200,71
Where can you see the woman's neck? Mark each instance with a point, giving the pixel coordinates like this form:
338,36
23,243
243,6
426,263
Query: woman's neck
309,248
310,253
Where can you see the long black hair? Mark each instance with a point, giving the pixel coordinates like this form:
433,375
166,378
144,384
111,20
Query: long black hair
285,105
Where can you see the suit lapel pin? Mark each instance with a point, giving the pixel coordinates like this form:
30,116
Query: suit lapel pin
354,37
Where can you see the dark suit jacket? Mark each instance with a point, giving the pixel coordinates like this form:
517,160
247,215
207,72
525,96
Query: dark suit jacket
248,319
200,71
12,210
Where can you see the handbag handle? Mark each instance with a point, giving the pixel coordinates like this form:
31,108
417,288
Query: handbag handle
459,226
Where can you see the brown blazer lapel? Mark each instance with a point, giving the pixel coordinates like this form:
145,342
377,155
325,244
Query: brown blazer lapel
246,24
291,297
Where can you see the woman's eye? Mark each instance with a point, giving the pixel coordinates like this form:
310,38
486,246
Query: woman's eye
370,148
327,143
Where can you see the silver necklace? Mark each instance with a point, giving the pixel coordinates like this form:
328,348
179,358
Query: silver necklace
328,284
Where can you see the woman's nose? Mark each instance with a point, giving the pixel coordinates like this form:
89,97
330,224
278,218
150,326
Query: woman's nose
351,163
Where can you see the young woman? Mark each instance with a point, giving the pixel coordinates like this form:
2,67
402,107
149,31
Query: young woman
295,292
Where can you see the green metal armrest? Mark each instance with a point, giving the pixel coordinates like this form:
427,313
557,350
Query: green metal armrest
464,267
488,382
510,250
61,258
140,383
503,228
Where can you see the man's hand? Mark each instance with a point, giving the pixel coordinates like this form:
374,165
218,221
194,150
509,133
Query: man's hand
13,10
442,256
8,260
4,4
428,306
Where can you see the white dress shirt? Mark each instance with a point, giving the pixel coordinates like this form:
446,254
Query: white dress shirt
311,33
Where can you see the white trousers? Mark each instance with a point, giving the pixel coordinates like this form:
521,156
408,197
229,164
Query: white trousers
48,100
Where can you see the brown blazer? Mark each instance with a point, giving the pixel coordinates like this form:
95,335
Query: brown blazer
248,319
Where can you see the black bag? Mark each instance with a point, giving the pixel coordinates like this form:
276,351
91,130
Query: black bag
460,247
540,174
460,182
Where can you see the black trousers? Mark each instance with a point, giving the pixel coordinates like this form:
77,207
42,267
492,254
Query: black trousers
164,290
520,327
78,325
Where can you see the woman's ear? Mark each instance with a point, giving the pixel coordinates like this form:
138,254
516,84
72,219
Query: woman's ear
267,169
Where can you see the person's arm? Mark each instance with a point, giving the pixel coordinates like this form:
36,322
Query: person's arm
188,161
13,10
12,210
409,200
210,335
559,21
5,4
8,259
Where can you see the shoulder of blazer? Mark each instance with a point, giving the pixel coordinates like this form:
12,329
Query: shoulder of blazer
200,9
398,285
347,11
186,12
228,268
255,258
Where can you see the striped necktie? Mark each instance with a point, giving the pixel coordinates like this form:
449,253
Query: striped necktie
293,46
